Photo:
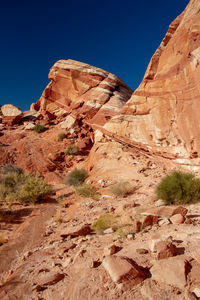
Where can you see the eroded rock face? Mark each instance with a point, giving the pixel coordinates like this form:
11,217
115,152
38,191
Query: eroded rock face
83,92
163,113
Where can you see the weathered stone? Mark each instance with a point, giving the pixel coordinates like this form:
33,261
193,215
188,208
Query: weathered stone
121,270
149,221
48,278
165,249
110,250
9,110
196,291
137,225
172,270
177,219
29,126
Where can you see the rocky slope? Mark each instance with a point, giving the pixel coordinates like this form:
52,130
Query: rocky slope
163,113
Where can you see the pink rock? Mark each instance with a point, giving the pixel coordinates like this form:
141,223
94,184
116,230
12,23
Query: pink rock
136,226
165,249
149,221
172,270
177,219
121,270
48,278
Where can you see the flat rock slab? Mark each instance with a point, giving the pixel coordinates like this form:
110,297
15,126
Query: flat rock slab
123,270
48,278
166,211
171,271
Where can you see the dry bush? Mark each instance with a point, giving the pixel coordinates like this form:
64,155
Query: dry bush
122,189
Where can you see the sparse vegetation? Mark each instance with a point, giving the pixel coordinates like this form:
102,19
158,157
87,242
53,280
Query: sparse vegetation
104,222
124,230
76,177
86,190
11,168
179,188
72,150
122,189
39,128
61,136
15,186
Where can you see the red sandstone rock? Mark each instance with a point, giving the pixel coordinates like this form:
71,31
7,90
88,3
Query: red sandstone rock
177,219
136,226
83,91
165,249
163,113
149,221
122,271
171,271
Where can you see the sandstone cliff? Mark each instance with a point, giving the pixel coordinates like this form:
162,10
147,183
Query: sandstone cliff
163,113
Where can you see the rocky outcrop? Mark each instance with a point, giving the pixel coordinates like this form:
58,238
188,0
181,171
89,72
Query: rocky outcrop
11,114
84,92
163,114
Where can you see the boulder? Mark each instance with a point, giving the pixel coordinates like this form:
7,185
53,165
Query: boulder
171,271
123,270
9,110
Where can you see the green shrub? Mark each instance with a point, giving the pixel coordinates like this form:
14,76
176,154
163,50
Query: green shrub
179,188
76,177
71,150
122,189
104,222
10,168
86,190
39,128
23,188
61,136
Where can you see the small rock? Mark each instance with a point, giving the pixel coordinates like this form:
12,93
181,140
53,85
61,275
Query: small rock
108,230
149,221
177,219
130,236
196,291
101,182
67,261
48,278
164,221
110,250
159,202
136,226
79,230
29,126
165,249
155,240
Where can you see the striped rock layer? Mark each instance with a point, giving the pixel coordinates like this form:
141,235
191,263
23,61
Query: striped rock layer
83,91
163,114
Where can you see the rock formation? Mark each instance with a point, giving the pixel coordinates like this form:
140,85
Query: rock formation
163,113
84,92
11,114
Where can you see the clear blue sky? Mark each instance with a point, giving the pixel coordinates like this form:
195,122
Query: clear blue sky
119,36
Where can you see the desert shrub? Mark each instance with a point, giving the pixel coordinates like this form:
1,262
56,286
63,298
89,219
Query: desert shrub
124,230
39,128
86,190
23,188
76,177
11,168
61,136
104,222
179,188
122,189
71,150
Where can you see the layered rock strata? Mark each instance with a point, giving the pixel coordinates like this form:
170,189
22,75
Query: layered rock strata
163,113
83,92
